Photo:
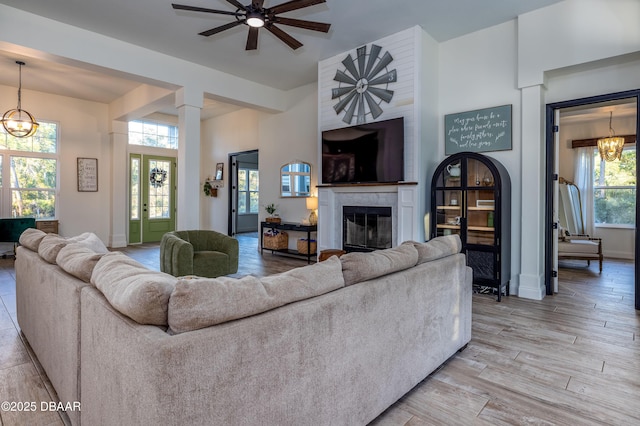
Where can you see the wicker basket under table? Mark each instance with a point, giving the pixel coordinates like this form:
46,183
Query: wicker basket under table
280,241
306,247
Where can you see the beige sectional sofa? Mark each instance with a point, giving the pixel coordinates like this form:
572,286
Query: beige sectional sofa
331,343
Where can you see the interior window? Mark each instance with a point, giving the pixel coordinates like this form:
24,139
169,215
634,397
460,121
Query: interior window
149,133
614,186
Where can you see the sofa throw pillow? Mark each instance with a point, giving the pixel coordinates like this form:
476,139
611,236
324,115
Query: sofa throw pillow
31,238
437,248
199,303
358,267
78,260
91,241
132,289
50,246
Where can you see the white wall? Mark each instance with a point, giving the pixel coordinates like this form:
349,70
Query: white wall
508,64
479,71
229,133
83,132
280,139
285,137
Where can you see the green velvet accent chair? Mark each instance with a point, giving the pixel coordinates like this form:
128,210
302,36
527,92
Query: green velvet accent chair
204,253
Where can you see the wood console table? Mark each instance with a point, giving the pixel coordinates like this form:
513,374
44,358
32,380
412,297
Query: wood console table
284,226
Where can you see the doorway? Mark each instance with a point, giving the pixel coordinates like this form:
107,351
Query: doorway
552,126
152,197
244,192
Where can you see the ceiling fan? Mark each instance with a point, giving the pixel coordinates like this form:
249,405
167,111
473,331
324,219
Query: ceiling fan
256,16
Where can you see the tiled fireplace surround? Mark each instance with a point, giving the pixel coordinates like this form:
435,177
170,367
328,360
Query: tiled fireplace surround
401,199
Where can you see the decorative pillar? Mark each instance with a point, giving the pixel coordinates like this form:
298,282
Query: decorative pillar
119,136
189,103
531,285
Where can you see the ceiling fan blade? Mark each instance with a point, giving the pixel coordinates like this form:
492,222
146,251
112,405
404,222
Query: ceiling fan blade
237,4
286,38
252,39
202,9
307,25
221,28
293,5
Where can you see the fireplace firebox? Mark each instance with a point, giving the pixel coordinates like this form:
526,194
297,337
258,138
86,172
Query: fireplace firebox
366,228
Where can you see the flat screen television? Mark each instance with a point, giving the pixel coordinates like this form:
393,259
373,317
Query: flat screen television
365,153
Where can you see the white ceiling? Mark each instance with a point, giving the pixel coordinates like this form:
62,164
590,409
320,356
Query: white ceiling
156,25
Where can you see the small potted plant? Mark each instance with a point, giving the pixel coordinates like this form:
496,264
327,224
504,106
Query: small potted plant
209,190
273,217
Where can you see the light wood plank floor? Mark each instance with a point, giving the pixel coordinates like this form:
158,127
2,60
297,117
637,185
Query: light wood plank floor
570,359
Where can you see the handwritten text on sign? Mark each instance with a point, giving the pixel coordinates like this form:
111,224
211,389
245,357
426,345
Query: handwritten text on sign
481,130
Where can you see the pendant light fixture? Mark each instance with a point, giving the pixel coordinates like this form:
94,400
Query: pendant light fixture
610,148
18,122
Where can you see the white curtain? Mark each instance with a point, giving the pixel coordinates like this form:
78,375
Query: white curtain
583,174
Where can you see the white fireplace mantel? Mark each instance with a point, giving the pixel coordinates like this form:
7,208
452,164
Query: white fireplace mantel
402,199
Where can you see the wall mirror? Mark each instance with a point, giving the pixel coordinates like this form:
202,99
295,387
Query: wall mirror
295,179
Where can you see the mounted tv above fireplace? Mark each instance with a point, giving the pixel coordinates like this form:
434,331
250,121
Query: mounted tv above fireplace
366,153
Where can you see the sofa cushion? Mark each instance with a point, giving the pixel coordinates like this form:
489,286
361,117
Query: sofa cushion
78,260
50,246
437,248
91,241
199,303
31,238
358,267
132,289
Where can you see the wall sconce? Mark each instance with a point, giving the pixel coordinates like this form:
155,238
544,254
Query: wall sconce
18,122
312,204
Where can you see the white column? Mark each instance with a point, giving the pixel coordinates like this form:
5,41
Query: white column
326,224
531,285
119,137
189,104
408,214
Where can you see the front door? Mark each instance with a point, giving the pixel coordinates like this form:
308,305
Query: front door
152,195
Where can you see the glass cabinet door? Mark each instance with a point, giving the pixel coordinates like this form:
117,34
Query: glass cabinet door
480,203
449,201
465,201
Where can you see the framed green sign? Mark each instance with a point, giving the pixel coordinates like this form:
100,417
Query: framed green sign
481,130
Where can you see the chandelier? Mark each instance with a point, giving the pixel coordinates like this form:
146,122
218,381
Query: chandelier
18,122
610,148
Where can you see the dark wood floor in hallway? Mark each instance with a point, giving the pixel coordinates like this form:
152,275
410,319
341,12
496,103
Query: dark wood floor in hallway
569,359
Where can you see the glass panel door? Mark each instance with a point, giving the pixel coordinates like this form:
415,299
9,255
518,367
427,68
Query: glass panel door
158,198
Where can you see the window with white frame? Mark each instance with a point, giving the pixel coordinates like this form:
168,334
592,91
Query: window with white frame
148,133
614,187
248,191
30,167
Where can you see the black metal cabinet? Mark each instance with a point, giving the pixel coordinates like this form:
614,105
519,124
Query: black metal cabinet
471,196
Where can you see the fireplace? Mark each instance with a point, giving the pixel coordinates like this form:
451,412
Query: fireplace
366,228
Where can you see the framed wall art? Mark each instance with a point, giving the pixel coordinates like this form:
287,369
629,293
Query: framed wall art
219,168
481,130
87,174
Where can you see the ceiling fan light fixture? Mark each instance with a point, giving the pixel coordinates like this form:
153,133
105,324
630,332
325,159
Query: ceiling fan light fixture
610,148
18,122
255,19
